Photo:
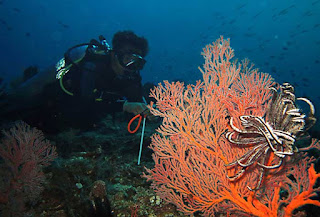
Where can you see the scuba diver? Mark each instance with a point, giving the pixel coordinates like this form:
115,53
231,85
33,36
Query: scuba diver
99,74
93,79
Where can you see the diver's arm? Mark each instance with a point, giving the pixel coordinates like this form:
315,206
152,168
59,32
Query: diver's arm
135,104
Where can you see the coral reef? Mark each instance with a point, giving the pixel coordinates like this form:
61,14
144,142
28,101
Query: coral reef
200,167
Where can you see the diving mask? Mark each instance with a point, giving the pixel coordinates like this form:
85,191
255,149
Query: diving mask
131,62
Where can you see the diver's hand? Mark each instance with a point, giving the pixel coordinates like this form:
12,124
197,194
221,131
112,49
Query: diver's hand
137,108
134,107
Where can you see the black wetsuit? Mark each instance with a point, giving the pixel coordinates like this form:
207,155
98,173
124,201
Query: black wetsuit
97,90
94,81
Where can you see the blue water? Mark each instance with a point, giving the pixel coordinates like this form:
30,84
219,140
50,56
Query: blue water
280,37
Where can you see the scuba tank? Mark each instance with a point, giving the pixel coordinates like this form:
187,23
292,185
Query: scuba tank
75,54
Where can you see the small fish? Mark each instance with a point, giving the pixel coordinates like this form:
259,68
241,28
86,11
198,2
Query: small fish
27,34
258,14
316,25
3,22
304,31
241,6
292,35
16,10
305,79
315,2
249,34
262,46
289,43
169,67
63,25
285,11
232,21
305,85
307,14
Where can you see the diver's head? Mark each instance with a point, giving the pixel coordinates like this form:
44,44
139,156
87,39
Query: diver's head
130,50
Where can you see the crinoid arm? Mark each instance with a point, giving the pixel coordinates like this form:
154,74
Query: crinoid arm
273,135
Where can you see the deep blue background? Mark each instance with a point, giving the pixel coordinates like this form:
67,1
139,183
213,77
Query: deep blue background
280,37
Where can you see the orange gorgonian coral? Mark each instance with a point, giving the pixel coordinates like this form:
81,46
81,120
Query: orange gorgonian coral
194,154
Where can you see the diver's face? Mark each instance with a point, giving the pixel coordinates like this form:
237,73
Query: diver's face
125,59
126,63
131,61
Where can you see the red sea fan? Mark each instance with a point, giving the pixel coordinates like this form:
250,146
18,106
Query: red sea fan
191,150
25,152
